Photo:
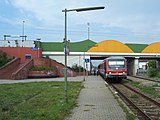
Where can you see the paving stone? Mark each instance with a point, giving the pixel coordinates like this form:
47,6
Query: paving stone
96,102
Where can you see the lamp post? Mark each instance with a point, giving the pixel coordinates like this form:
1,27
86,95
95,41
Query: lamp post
65,40
23,31
38,40
88,31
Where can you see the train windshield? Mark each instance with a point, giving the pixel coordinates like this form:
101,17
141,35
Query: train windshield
116,64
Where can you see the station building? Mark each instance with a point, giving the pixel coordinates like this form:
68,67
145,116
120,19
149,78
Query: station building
84,53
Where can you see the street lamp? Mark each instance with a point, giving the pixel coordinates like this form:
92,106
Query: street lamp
23,31
38,40
65,40
88,30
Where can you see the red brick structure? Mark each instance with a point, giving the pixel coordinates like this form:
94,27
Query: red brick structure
25,53
23,71
16,71
6,70
26,58
47,62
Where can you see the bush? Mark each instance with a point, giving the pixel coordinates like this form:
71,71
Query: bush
77,68
153,72
43,68
4,59
152,63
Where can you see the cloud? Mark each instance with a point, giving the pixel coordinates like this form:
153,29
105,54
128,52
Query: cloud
49,12
45,11
137,17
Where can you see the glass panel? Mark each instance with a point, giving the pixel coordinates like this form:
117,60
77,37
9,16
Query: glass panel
120,62
116,64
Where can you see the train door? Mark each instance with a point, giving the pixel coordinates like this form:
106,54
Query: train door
104,69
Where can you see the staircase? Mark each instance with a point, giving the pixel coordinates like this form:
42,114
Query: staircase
8,74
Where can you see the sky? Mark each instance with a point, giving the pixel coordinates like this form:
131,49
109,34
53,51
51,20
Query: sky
127,21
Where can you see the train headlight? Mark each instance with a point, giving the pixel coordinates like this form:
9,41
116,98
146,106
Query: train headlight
123,72
110,73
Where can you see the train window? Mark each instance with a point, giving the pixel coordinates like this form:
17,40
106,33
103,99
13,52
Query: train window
116,64
112,63
120,62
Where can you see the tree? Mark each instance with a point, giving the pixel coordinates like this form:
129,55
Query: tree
3,59
77,68
153,71
152,63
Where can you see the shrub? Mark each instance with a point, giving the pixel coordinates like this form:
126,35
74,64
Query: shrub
77,68
153,72
4,59
152,63
43,68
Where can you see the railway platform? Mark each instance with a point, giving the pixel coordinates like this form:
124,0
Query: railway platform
96,102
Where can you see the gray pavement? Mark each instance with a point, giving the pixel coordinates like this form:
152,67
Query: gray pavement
79,78
96,102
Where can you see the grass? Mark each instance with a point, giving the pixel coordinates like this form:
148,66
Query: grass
129,115
147,89
43,68
37,101
134,96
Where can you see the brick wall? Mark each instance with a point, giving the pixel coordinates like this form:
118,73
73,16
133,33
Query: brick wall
9,66
49,62
20,52
40,62
23,72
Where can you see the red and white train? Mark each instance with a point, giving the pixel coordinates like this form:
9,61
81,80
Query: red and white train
113,67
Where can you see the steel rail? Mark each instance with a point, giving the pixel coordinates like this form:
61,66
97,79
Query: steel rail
146,79
145,96
132,104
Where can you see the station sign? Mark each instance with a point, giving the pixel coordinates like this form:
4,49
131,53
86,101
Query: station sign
87,60
66,50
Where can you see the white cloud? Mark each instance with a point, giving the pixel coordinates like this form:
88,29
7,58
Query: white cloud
138,16
46,11
50,11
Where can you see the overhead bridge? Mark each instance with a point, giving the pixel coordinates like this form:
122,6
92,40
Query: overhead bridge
136,54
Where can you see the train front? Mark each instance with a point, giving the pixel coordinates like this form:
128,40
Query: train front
116,68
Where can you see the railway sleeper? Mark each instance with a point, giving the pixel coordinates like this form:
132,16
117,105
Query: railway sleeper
153,115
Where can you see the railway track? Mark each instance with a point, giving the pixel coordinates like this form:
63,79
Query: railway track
144,78
143,106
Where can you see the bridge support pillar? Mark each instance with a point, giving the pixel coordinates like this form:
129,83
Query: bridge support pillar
158,63
136,64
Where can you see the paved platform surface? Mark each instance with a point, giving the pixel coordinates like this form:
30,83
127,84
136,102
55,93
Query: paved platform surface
96,102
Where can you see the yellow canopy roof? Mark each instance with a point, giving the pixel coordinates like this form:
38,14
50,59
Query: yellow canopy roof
110,46
152,48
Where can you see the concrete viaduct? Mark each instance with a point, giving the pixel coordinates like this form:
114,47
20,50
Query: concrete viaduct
137,55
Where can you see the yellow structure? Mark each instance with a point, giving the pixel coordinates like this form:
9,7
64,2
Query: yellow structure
152,48
110,46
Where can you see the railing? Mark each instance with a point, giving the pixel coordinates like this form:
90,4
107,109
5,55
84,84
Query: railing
23,72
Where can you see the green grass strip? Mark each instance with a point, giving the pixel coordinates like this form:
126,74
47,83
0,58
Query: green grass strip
37,101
